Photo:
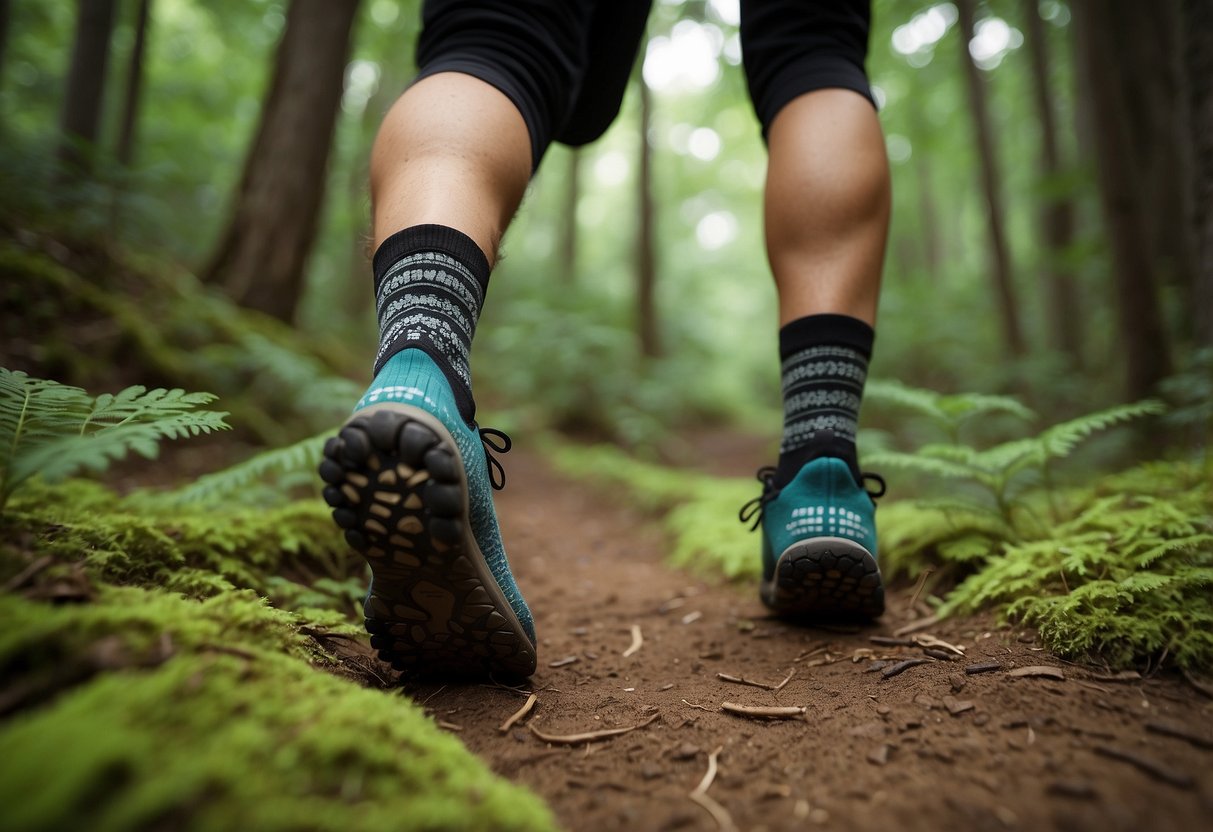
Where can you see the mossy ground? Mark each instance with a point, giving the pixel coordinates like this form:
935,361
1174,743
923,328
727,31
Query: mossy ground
151,683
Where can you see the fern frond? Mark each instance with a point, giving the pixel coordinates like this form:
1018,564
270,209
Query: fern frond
1060,440
56,430
930,466
302,455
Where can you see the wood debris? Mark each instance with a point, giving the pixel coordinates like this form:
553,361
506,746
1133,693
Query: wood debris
567,660
588,736
915,626
1039,670
763,711
926,640
692,617
1181,732
450,726
894,669
786,679
1123,676
1198,684
724,821
957,706
700,707
1158,771
519,714
982,667
637,641
889,641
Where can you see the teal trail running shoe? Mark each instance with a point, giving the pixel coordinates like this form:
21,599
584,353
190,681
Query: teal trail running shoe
818,542
411,484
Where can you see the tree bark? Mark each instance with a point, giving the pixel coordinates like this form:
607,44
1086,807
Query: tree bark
646,256
1000,258
1143,336
568,228
81,117
134,87
1057,211
5,17
261,256
1198,70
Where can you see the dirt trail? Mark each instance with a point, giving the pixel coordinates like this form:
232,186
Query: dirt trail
930,748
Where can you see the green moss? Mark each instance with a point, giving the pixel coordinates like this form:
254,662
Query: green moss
223,742
173,694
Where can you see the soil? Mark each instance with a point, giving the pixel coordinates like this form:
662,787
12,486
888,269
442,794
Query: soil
930,748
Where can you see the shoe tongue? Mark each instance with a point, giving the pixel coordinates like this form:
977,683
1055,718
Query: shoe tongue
822,443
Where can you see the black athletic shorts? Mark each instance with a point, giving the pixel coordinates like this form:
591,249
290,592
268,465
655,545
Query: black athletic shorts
565,63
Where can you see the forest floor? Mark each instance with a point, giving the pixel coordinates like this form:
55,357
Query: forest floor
937,746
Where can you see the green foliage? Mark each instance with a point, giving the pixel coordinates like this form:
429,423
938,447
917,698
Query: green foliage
55,430
241,728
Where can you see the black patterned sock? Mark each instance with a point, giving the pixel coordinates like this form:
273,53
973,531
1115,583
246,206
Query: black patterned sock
825,364
430,282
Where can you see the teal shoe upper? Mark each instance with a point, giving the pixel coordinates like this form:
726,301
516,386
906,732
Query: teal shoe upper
411,377
823,500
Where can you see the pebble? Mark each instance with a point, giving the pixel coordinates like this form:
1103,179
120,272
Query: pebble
686,751
879,755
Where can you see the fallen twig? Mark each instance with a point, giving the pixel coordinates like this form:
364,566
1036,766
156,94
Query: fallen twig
982,667
888,641
18,580
450,726
1156,770
786,679
1202,686
925,640
764,712
1045,670
894,669
915,626
922,582
567,660
637,640
700,707
700,795
741,680
1181,732
588,736
519,714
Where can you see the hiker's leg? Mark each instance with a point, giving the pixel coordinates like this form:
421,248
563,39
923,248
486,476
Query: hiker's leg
827,212
453,151
827,205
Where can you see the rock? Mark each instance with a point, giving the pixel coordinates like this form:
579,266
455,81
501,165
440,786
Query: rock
957,706
686,751
879,755
958,682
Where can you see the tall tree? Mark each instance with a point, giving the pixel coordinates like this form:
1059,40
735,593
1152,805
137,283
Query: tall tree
134,86
5,17
1057,209
1000,257
646,234
1111,65
81,117
568,219
1198,72
261,256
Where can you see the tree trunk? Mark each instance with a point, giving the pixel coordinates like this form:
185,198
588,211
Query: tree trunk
646,256
1143,337
261,256
1000,258
134,86
1198,70
1057,212
568,228
82,98
5,17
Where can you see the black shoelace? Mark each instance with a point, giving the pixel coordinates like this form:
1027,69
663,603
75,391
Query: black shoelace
753,509
495,440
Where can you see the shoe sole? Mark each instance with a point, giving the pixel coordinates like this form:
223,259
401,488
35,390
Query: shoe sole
825,577
397,486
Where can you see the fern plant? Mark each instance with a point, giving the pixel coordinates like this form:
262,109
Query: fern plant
55,430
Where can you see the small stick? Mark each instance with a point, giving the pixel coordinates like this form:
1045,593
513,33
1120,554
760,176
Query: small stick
1180,732
786,679
926,573
567,660
637,640
519,714
700,707
1203,687
450,726
982,667
894,669
719,814
588,736
741,680
762,712
18,580
1045,670
1178,779
915,626
926,640
887,641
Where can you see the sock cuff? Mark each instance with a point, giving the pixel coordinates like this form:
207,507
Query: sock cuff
816,330
439,238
